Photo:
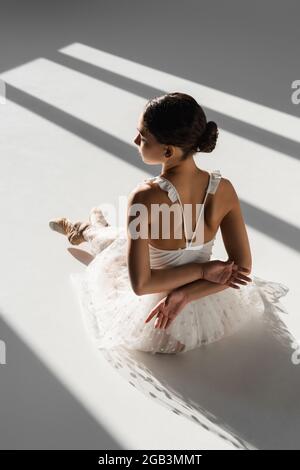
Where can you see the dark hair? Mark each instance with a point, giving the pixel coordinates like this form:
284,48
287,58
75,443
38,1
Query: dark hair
177,119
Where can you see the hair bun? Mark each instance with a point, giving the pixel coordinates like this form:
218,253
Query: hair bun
209,137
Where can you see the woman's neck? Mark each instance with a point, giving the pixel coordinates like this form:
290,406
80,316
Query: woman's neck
186,168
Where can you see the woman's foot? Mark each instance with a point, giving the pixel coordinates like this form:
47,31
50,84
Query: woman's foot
166,347
74,232
180,346
97,218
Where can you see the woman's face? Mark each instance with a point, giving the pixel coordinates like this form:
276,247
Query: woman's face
150,150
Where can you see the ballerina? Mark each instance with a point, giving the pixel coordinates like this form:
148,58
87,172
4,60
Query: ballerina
164,294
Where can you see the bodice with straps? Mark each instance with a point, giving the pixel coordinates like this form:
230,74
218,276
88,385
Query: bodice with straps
158,254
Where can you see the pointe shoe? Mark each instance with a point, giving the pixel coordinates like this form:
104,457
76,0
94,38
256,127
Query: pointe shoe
76,236
74,232
62,225
97,218
169,349
180,346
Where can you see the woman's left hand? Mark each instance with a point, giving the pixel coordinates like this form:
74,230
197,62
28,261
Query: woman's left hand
168,308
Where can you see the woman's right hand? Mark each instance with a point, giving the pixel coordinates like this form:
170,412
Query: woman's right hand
225,272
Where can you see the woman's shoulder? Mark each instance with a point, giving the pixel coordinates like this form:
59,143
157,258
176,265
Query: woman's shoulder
226,190
144,191
148,190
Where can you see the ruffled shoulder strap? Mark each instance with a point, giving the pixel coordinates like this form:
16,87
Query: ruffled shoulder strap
214,181
165,185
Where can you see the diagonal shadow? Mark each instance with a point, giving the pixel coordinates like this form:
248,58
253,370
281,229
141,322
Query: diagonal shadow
259,219
237,49
244,387
224,77
255,134
37,411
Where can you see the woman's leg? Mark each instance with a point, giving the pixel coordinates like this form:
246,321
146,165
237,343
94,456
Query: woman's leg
170,345
74,232
99,234
79,231
96,217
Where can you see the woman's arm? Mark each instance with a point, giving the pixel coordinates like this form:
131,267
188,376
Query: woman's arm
234,232
201,288
145,280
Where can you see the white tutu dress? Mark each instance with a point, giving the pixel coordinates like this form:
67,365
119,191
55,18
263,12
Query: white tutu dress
115,316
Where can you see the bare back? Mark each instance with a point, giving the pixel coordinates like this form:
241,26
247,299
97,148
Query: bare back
214,206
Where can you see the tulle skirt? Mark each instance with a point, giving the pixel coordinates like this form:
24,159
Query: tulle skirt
115,316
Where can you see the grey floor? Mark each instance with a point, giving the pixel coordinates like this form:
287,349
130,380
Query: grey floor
76,79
